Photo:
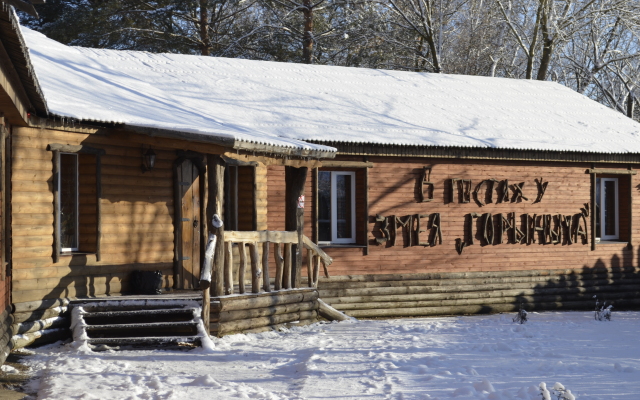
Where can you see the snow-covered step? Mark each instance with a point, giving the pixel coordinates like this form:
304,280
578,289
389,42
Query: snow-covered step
101,344
143,329
138,322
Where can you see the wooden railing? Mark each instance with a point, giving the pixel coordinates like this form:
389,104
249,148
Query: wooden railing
285,260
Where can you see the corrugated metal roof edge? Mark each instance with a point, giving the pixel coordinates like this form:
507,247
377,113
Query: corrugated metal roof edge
475,152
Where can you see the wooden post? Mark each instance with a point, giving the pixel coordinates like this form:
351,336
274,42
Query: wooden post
310,267
295,180
215,176
98,206
593,209
286,275
255,268
279,266
206,310
630,208
242,250
56,207
228,268
316,270
366,212
266,285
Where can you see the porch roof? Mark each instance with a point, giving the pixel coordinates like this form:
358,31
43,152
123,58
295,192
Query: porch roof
285,104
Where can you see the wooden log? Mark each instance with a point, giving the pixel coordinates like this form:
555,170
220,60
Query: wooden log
240,325
266,284
227,316
316,270
39,337
206,309
39,305
528,299
255,268
310,260
477,295
215,184
279,266
56,205
39,325
264,300
286,273
330,313
35,315
228,268
242,251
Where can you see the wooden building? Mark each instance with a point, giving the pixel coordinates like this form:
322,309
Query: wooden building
448,194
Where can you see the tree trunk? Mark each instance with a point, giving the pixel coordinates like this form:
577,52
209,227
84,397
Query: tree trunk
215,167
307,41
204,31
630,105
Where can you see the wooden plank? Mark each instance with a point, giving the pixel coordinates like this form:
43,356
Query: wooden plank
612,171
366,212
195,226
67,148
261,236
346,164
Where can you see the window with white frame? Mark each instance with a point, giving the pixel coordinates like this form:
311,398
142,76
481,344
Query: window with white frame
68,200
336,207
607,209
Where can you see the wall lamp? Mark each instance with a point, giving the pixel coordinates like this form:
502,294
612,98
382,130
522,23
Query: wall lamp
148,159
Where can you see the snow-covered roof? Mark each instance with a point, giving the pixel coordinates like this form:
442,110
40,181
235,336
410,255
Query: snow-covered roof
286,104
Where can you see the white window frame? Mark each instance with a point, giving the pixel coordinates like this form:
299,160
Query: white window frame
77,210
602,213
334,209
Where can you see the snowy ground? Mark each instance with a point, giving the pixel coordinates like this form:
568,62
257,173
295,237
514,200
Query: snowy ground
479,357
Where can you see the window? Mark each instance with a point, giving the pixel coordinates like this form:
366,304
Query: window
607,209
77,192
239,205
336,207
68,200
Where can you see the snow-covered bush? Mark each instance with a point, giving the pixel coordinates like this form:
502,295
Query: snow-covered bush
602,311
521,317
558,390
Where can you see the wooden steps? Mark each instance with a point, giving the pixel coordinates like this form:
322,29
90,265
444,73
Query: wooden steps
138,322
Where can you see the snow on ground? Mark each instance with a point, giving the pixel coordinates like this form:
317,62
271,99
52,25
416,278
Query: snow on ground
477,357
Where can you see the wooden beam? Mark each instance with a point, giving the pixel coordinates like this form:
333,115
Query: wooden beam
593,208
366,213
612,171
98,206
215,175
261,236
56,206
294,215
630,208
239,163
68,148
346,164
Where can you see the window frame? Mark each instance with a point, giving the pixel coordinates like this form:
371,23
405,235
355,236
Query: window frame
56,149
600,182
77,206
334,209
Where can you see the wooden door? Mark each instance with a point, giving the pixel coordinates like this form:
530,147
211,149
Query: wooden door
189,226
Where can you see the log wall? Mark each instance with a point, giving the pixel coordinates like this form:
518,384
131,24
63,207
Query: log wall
253,313
137,214
393,191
